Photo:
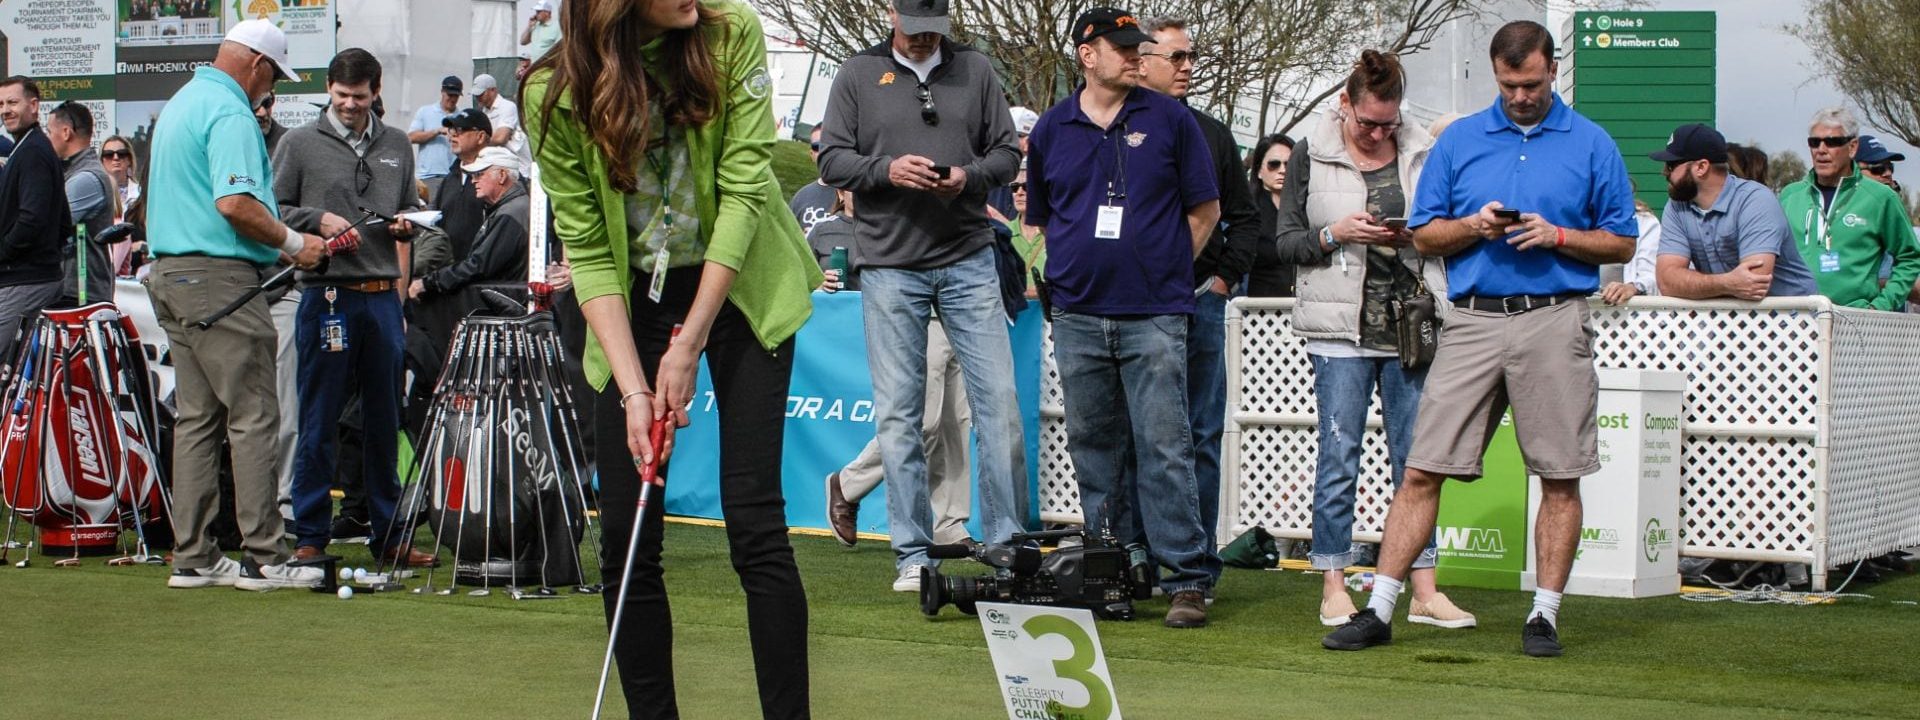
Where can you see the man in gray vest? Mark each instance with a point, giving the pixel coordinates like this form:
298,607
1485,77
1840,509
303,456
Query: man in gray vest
91,198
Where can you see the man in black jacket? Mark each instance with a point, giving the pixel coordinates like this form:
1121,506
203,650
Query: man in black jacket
34,222
499,256
1166,66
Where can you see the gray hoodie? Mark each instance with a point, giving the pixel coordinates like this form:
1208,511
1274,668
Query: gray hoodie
315,172
874,115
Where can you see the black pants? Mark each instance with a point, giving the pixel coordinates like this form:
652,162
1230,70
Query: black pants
750,392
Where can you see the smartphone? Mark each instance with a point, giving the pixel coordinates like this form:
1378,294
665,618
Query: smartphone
943,171
1507,215
1396,224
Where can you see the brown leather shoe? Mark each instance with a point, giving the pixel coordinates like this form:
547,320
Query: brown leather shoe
414,558
1189,610
842,516
307,552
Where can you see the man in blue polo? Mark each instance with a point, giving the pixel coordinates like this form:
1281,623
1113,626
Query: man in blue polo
1524,199
1120,179
216,230
1722,236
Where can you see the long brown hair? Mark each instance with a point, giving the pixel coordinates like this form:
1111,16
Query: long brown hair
596,61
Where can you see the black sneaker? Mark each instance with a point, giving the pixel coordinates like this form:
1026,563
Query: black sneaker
1539,639
1363,630
351,531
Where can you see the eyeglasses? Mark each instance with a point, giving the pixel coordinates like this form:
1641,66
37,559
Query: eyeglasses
1276,164
116,155
362,177
1885,168
816,147
1832,142
1671,164
927,114
1017,187
1178,58
1372,125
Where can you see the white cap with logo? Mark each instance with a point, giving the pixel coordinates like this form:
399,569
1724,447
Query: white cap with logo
496,157
267,39
1024,119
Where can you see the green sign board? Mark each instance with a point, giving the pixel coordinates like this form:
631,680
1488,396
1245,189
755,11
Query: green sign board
1481,530
1639,75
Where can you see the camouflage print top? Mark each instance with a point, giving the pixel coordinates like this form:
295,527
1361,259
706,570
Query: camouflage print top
1386,275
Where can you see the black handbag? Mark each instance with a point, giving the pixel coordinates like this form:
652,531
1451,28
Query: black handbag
1415,316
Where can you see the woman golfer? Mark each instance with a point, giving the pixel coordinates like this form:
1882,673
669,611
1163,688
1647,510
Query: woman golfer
652,126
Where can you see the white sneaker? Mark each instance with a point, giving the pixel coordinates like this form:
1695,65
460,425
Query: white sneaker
909,580
224,572
267,577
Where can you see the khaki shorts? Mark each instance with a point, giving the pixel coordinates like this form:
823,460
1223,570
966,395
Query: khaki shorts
1541,363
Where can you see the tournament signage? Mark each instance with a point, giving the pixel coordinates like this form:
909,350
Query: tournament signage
1050,662
1639,75
1481,530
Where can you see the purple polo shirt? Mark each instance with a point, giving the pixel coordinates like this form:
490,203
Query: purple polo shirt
1153,162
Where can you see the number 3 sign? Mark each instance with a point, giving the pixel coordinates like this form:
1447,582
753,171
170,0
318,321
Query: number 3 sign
1050,663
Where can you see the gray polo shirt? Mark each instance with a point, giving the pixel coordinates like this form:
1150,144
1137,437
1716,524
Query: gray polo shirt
1745,220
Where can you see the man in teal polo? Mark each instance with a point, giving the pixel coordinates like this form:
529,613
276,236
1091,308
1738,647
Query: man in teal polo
216,231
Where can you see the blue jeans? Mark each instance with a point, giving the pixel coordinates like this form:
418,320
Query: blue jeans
1344,389
1125,382
1207,404
371,363
896,304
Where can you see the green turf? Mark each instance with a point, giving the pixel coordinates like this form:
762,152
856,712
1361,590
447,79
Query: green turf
113,642
793,166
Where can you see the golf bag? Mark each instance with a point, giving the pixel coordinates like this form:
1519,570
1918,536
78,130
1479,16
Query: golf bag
77,453
499,467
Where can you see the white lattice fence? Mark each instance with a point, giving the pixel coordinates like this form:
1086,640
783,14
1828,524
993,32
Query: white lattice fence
1059,494
1873,495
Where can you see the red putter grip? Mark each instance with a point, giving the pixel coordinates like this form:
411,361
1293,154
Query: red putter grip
649,471
344,243
542,295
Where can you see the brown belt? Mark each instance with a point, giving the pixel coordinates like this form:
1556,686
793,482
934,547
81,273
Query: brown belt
370,286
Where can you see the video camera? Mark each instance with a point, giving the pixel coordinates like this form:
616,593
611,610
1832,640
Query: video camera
1096,575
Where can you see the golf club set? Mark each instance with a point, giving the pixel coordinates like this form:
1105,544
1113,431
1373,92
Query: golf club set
499,470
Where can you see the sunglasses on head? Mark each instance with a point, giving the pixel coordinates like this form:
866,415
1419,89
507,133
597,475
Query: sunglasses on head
1832,142
927,114
1276,164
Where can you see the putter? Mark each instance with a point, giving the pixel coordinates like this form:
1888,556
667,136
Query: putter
341,243
649,477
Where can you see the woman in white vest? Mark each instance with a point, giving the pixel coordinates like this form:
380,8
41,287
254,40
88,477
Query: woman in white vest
1342,220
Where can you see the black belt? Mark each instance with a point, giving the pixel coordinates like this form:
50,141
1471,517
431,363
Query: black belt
1513,304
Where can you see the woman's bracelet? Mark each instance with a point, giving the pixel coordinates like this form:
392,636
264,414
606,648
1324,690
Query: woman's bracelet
623,398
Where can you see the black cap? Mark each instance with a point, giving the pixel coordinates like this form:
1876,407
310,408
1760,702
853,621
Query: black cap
1693,141
923,16
1114,24
1873,151
452,84
468,119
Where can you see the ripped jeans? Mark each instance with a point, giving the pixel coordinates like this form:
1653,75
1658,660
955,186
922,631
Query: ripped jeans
1344,388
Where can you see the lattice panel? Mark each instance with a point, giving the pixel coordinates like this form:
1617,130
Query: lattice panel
1743,367
1748,493
1050,393
1873,487
1059,493
1278,495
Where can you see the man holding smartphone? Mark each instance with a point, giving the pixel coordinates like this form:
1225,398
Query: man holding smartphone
1524,200
918,129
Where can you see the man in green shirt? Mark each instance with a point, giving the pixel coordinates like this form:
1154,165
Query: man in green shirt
1845,224
542,32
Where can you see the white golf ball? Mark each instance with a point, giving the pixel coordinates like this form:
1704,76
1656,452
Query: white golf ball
359,573
346,574
346,593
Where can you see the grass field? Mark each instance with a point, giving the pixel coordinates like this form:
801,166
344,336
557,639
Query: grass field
100,642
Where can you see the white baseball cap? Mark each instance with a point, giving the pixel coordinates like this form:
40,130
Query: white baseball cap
482,84
543,6
267,39
1024,120
495,157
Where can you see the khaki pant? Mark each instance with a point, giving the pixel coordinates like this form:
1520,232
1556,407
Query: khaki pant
944,429
224,383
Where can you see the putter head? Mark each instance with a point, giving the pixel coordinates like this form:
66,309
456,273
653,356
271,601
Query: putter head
593,589
67,563
423,590
482,592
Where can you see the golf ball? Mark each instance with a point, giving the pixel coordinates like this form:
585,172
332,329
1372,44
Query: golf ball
346,574
346,593
359,573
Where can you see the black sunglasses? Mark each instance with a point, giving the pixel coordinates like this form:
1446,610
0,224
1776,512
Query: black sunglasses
927,114
816,147
1183,56
1017,187
116,155
362,177
1885,168
1276,164
1832,142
